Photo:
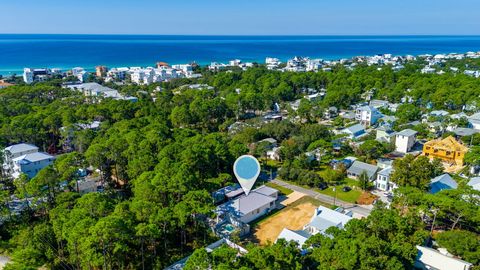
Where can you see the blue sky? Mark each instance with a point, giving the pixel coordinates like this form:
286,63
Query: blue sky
233,17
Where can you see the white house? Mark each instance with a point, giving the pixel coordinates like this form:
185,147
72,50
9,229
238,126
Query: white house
383,180
274,154
474,121
299,236
25,158
15,151
248,208
31,164
367,115
474,183
404,140
429,258
324,218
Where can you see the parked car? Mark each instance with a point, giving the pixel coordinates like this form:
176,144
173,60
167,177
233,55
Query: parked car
322,186
346,189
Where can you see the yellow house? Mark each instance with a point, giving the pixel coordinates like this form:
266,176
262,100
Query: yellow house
448,150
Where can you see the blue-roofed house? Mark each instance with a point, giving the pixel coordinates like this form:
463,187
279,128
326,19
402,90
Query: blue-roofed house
442,182
354,131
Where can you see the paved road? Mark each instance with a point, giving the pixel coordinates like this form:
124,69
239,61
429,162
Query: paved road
361,210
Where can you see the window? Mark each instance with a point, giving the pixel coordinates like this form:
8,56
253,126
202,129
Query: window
258,211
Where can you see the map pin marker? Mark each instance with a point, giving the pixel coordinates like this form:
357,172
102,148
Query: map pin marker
247,169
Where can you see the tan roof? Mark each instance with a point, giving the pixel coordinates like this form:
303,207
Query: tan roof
449,143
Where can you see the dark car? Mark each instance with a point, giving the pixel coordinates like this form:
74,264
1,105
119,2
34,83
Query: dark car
346,189
322,186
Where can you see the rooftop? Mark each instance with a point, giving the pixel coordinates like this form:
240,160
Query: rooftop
33,157
21,147
448,143
358,167
299,236
325,218
407,132
444,181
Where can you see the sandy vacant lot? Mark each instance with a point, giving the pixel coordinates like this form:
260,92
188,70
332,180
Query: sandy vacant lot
292,217
292,197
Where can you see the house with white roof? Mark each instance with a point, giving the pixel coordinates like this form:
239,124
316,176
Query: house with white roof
367,115
97,90
17,150
324,218
474,183
429,258
299,236
442,182
25,158
474,121
30,164
404,140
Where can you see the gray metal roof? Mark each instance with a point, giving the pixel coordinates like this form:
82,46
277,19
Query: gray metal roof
253,201
386,172
407,132
326,218
358,167
465,131
33,157
355,128
474,183
21,147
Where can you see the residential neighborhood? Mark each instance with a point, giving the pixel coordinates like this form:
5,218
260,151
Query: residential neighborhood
163,141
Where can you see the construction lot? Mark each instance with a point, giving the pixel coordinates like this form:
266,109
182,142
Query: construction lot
294,216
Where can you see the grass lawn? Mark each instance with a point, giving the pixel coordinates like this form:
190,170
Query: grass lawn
283,190
350,196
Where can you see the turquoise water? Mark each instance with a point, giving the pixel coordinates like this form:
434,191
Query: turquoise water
247,168
88,51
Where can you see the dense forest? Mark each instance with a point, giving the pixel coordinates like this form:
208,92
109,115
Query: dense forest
161,158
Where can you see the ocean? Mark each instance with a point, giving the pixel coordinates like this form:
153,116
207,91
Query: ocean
88,51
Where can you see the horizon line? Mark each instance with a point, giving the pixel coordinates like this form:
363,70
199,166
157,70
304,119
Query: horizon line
252,35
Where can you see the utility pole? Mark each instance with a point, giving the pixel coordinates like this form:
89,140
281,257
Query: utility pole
433,222
335,197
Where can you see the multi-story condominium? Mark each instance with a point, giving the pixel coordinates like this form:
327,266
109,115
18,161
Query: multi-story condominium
448,150
31,75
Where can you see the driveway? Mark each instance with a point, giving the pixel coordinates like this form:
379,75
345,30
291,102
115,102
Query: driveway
357,209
